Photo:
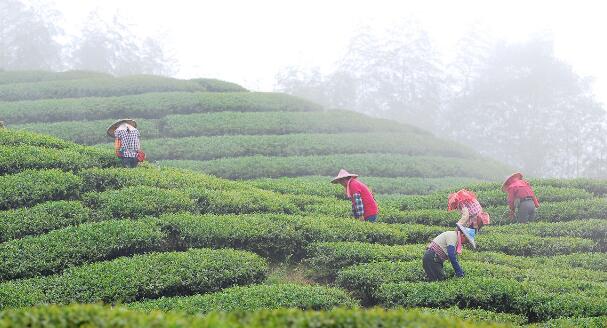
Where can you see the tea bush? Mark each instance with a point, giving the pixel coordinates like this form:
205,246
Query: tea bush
73,246
89,132
31,187
94,87
92,315
285,122
253,298
97,179
208,148
503,295
14,159
41,218
137,202
214,85
325,259
138,277
529,245
149,105
274,236
383,165
10,77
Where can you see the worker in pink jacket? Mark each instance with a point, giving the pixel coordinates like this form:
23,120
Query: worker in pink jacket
364,206
520,198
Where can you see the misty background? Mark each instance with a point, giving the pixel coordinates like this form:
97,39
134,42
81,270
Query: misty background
514,99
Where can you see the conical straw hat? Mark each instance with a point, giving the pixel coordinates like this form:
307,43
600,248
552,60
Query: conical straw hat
343,174
112,128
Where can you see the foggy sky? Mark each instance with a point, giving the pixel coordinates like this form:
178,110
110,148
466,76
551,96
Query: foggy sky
248,42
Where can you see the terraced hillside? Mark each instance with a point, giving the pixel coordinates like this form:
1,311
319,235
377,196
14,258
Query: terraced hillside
74,228
221,129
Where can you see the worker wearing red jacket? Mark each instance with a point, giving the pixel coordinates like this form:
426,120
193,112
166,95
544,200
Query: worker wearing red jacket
364,206
520,198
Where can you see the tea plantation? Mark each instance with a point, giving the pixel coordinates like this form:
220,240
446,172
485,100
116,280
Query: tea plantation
84,242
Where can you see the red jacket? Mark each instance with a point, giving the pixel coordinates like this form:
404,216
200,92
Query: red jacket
520,189
369,204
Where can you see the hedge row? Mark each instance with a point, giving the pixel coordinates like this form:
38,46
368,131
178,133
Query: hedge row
10,137
73,246
274,237
385,165
250,123
138,277
251,298
572,210
41,218
150,105
595,186
15,159
209,194
7,77
528,245
137,202
487,198
89,132
325,259
94,315
503,295
215,85
320,186
207,148
595,229
365,280
94,87
478,315
592,322
101,179
31,187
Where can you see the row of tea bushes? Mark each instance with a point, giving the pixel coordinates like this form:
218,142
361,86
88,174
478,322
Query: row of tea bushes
41,218
89,132
595,229
31,187
9,77
94,87
92,315
570,210
383,165
284,122
255,297
321,186
495,294
60,249
14,159
326,259
149,106
276,237
487,198
134,278
207,148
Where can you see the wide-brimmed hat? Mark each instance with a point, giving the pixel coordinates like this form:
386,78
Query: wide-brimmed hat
342,175
469,233
463,195
112,128
514,177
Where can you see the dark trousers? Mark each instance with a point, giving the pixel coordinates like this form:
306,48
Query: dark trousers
433,266
129,162
372,218
525,211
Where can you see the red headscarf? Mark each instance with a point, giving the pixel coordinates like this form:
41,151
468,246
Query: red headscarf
455,199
